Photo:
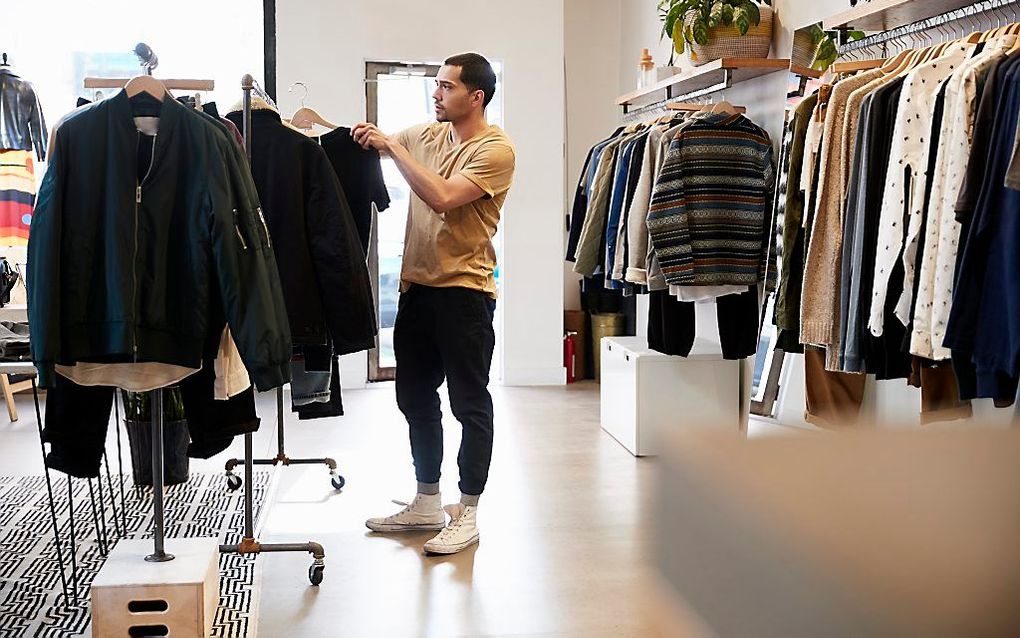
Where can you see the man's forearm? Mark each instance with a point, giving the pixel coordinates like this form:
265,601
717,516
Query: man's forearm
430,186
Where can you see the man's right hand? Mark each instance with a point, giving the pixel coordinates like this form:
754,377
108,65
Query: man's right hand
368,136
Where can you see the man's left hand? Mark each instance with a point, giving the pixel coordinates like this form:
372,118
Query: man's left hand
368,136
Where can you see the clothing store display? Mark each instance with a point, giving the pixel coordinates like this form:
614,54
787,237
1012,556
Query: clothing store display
713,169
446,332
22,125
361,178
448,249
326,286
985,316
707,217
821,274
671,324
77,418
925,269
865,189
307,386
907,179
17,196
637,217
334,406
832,399
789,228
195,216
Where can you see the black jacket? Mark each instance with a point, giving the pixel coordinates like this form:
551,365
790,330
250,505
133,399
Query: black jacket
122,271
322,265
21,119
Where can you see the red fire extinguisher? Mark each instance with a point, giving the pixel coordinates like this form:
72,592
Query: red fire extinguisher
569,356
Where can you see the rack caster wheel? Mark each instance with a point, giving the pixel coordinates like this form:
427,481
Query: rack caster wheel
315,574
338,482
233,482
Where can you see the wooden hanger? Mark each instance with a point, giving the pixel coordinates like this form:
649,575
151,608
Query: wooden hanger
145,84
306,118
724,107
694,107
858,65
170,85
894,64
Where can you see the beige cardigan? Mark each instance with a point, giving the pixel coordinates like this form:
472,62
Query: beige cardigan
820,296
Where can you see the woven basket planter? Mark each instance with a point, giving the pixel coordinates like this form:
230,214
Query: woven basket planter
726,42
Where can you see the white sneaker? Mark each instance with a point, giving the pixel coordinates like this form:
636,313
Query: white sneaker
424,514
461,533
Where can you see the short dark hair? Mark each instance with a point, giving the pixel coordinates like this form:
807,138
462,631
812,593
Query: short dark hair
476,73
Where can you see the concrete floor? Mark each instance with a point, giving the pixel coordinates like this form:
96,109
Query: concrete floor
565,523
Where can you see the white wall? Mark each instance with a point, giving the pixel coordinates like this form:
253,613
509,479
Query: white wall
592,37
326,44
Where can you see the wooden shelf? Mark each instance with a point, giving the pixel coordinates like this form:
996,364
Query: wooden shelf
882,15
704,77
804,72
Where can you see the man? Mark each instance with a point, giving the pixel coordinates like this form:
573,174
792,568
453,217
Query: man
460,169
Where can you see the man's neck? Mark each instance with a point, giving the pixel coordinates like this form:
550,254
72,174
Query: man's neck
468,128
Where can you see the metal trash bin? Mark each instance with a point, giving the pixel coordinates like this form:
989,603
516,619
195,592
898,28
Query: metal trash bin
604,325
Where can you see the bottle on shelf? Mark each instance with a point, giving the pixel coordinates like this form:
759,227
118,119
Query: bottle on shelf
646,70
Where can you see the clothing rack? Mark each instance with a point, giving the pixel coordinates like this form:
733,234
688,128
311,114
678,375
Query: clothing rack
249,544
924,26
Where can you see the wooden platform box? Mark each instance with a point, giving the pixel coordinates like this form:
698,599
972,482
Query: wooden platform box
131,597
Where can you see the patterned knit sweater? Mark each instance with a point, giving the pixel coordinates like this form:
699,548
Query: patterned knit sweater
707,219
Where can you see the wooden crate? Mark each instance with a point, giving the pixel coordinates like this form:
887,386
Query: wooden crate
176,598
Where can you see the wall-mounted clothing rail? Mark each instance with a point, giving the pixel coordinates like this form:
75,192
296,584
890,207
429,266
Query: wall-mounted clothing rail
926,25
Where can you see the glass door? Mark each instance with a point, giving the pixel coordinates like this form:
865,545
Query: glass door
399,96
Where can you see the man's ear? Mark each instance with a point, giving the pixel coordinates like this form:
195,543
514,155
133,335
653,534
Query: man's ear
479,95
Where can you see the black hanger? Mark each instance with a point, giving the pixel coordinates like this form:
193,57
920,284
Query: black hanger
146,105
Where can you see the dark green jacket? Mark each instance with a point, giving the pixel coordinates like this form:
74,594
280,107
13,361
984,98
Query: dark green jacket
126,271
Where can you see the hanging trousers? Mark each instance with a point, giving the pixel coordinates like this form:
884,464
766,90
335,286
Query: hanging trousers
77,418
671,324
446,333
834,398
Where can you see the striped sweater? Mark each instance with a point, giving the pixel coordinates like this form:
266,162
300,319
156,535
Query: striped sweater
707,219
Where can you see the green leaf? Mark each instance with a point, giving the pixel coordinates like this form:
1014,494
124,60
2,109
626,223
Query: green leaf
753,14
741,19
700,29
672,19
716,16
727,18
678,37
825,55
857,35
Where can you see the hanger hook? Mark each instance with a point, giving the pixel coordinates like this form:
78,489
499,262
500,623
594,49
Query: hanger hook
303,95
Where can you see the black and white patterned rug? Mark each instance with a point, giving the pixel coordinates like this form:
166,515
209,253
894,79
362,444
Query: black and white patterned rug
32,602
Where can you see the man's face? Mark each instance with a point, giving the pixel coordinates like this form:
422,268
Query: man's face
453,100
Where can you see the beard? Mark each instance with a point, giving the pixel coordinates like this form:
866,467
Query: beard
441,115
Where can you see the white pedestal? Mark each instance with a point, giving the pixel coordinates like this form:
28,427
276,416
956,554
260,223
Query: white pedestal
180,595
646,393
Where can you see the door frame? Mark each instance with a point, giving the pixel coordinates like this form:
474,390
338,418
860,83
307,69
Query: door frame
373,69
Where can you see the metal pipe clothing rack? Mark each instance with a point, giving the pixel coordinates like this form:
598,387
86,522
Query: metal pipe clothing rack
249,544
924,26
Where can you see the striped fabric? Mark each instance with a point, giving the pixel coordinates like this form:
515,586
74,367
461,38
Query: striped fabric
17,196
709,207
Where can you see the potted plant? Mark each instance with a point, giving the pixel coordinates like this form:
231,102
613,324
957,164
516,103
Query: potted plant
822,50
138,420
714,29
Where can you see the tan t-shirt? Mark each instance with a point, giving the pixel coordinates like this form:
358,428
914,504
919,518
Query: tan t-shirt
454,249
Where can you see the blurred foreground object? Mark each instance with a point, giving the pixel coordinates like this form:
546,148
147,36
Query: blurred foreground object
859,534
